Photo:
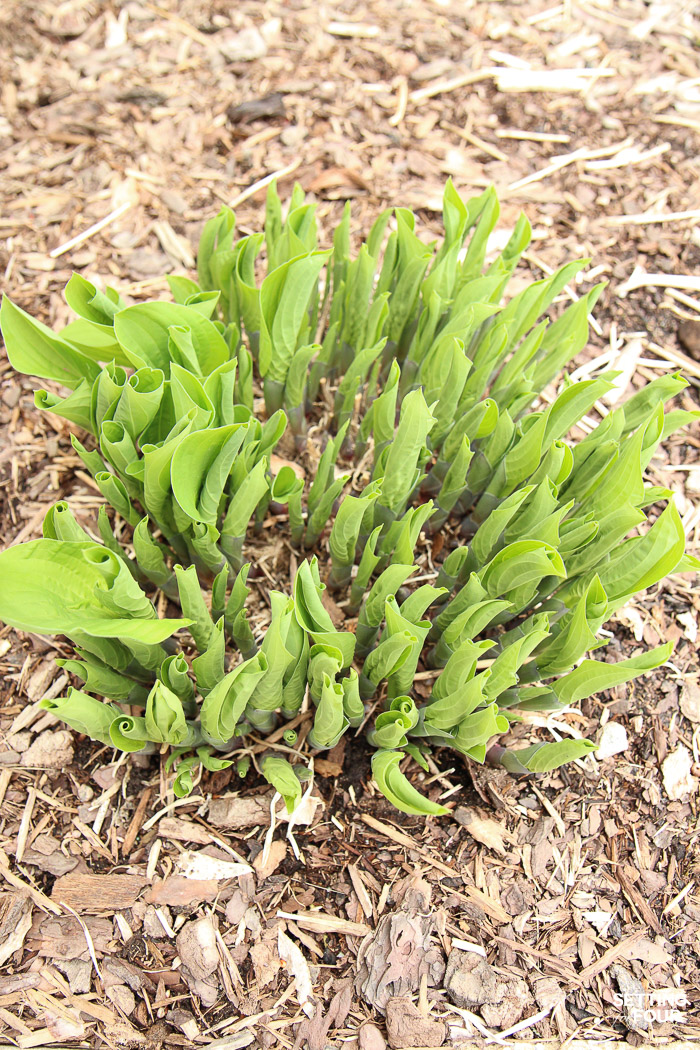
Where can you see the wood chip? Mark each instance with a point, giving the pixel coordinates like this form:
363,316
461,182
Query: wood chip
319,922
94,894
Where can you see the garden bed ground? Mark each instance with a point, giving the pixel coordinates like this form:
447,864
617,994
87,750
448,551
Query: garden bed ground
578,887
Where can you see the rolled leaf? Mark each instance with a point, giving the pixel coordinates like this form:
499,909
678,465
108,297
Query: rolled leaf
391,727
83,713
313,617
280,774
209,665
330,721
194,607
397,789
164,717
353,706
200,468
224,705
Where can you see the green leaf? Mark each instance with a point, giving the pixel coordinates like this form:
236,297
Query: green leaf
194,607
181,288
575,633
280,774
143,331
209,665
241,509
281,656
391,727
387,659
397,789
105,680
400,472
313,617
128,733
173,674
372,612
59,587
478,728
593,676
150,556
34,349
183,782
284,299
86,300
324,661
225,704
352,703
216,232
60,524
329,720
542,758
164,717
641,562
200,468
83,713
77,407
368,563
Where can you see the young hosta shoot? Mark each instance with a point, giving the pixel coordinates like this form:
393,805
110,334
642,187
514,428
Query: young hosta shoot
410,384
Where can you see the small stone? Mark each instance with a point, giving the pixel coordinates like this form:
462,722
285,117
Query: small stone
11,395
19,741
370,1037
51,750
676,767
78,973
122,997
406,1026
245,46
470,980
612,741
174,202
196,946
690,701
234,812
689,337
512,998
633,994
548,993
293,135
152,926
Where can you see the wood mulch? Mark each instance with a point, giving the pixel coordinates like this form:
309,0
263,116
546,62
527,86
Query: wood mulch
126,918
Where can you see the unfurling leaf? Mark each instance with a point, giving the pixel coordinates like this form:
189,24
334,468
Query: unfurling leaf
400,792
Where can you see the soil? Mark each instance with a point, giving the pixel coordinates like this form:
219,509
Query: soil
150,116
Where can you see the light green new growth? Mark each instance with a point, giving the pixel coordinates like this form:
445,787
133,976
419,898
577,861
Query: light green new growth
410,384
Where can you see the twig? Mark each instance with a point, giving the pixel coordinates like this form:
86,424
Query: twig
135,825
564,160
39,898
474,140
400,104
88,938
262,183
531,136
644,218
639,278
91,230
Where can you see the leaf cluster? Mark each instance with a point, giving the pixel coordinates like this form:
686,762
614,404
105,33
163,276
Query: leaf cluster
437,383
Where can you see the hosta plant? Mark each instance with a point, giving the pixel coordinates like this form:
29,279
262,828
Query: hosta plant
440,407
